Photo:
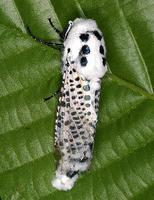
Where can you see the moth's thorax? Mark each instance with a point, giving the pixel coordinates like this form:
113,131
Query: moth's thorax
92,66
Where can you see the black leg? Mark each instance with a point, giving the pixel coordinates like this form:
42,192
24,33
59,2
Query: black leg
57,31
47,43
54,94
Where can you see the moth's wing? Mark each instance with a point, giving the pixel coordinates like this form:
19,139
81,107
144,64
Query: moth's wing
76,116
62,115
65,126
82,113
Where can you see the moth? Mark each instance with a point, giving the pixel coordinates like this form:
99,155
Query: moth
83,66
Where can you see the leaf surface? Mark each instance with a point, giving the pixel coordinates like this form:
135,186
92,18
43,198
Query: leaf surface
123,164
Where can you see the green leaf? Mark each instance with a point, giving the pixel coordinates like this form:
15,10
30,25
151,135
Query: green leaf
123,164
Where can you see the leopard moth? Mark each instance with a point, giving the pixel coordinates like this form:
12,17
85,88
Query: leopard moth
83,66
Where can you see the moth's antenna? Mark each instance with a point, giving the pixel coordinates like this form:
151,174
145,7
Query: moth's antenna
57,30
53,44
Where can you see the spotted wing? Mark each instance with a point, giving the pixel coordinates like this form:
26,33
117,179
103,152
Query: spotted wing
76,118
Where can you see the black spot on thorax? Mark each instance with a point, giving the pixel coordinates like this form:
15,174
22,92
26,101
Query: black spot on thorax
84,37
85,49
101,49
97,34
83,61
104,61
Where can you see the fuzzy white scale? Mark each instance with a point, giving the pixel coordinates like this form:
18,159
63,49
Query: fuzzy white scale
89,70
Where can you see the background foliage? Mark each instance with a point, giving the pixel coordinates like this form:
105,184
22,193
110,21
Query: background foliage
123,164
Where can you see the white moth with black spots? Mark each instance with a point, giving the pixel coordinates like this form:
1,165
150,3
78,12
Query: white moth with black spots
84,64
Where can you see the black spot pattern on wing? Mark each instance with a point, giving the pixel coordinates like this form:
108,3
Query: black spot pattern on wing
97,94
73,123
70,174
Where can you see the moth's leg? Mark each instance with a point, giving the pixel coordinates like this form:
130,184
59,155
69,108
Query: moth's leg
54,94
57,30
47,43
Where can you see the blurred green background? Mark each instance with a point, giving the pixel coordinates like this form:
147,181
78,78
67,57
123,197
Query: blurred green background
123,164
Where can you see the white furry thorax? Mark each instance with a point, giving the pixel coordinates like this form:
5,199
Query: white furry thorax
94,69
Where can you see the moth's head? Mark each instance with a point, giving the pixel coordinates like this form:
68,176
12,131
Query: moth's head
79,26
